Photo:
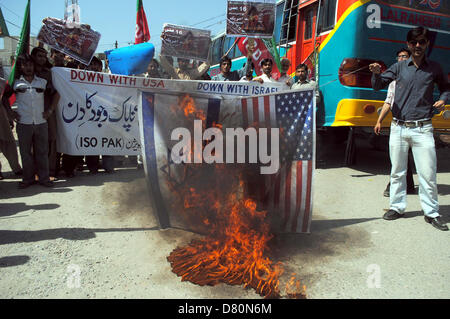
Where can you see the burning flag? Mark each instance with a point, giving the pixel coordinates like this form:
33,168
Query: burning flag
142,32
285,193
230,201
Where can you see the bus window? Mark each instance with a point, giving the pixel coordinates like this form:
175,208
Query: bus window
327,15
278,20
217,50
288,30
309,16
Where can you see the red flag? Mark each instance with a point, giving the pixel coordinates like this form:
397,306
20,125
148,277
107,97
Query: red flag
142,32
260,53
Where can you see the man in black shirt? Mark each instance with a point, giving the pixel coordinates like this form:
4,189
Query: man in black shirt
412,111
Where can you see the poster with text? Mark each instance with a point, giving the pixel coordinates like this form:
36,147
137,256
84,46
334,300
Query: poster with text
185,42
79,41
250,18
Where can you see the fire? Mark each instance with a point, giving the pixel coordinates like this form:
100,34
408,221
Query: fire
187,104
235,249
234,254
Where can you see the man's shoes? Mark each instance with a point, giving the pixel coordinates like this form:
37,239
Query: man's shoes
47,183
23,185
437,223
392,215
386,192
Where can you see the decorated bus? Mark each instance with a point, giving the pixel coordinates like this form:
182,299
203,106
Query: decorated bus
338,39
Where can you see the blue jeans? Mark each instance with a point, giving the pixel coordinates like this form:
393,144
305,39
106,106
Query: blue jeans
421,140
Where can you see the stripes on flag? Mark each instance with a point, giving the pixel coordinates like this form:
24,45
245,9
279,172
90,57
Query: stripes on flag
288,192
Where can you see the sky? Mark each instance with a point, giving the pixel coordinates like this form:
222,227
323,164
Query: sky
116,19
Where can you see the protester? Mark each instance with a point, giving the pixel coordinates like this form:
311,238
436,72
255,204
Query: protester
7,142
249,75
225,70
58,58
31,114
411,126
42,70
402,55
301,73
267,65
153,70
284,77
183,71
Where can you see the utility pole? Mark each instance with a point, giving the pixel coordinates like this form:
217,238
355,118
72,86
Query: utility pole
116,44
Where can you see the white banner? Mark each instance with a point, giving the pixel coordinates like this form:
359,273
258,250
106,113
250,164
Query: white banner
98,112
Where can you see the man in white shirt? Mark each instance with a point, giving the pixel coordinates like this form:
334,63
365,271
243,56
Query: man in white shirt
402,55
31,117
266,66
301,72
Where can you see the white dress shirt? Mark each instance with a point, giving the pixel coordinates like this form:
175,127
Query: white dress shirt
30,104
266,78
390,94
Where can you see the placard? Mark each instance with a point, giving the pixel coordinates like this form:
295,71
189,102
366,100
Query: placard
185,42
79,41
250,18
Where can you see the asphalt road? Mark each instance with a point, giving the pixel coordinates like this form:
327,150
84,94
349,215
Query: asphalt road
96,237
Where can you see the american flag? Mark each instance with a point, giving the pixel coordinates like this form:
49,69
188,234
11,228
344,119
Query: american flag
288,192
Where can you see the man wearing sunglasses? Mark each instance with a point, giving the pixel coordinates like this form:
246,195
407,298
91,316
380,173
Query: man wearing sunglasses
412,110
31,117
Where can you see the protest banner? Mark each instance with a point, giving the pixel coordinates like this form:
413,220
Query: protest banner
189,183
76,40
97,112
250,18
185,42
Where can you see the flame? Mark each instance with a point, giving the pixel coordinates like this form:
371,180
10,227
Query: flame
235,249
189,109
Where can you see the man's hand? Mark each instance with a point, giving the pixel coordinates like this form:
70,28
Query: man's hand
375,68
377,128
46,114
439,105
15,116
258,80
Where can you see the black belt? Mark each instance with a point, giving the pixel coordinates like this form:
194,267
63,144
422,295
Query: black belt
411,123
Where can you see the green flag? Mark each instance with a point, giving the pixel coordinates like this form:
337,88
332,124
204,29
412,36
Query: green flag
3,28
24,43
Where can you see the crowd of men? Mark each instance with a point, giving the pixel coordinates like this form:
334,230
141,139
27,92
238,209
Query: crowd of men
36,102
